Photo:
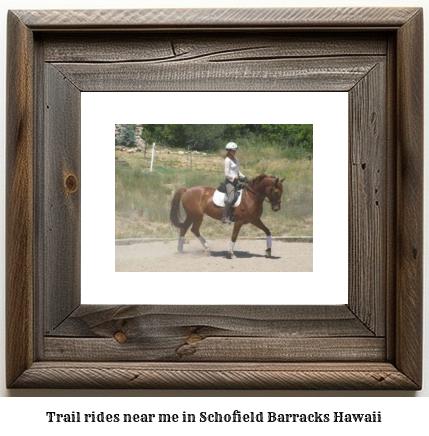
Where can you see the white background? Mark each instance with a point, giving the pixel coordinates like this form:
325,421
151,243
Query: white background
327,111
28,414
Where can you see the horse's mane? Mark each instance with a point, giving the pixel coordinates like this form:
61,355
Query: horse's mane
258,179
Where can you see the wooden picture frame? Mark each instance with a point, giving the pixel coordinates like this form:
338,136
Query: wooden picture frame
373,342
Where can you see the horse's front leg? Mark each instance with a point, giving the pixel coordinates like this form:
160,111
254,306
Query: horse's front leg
235,232
260,225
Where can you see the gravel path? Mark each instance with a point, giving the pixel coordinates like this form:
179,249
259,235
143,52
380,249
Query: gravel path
161,256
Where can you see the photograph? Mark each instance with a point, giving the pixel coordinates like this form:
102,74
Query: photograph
194,197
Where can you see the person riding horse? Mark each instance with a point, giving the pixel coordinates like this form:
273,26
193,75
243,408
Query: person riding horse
232,177
197,201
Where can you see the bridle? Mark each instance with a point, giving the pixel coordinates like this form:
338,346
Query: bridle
264,198
256,193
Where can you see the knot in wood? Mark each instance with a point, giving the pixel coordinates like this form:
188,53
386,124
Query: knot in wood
193,338
120,337
71,183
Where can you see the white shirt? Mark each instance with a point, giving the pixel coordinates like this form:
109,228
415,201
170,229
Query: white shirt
231,169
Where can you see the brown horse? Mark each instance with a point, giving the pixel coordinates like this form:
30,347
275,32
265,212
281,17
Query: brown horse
198,201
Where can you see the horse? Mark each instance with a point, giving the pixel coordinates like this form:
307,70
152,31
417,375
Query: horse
198,201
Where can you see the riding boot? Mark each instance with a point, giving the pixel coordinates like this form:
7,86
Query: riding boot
225,215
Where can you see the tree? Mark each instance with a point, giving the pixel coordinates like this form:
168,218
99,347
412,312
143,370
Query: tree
203,136
127,137
192,136
211,137
289,135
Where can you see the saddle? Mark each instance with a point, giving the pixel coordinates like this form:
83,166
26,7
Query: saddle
219,198
222,187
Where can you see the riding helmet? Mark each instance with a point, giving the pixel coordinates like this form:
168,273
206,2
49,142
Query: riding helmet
231,146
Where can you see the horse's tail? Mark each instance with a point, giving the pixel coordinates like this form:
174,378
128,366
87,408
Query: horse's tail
175,217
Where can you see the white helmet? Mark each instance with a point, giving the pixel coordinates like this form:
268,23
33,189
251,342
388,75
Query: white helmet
231,146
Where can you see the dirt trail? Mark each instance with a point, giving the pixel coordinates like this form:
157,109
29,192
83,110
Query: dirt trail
162,256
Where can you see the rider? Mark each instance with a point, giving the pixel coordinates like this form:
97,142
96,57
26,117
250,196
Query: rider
233,176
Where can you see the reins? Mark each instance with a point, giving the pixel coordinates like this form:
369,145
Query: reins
257,194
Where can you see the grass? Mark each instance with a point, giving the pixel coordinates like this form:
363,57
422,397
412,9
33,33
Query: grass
143,198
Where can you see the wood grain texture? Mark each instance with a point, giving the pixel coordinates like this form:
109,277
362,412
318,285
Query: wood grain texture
99,321
207,18
391,191
368,203
331,74
61,186
39,152
153,347
176,47
108,375
214,333
410,199
19,200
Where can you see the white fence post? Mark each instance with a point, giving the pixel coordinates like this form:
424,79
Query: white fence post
153,155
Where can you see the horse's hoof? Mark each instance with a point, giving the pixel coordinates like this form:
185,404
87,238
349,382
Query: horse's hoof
268,253
231,256
207,252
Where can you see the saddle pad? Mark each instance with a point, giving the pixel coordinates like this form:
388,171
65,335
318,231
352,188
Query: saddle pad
219,198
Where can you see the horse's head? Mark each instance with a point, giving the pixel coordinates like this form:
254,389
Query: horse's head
274,194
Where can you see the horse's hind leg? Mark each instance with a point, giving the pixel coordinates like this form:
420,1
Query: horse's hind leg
183,230
196,231
235,232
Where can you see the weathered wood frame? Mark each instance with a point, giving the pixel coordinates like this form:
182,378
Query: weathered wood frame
374,342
